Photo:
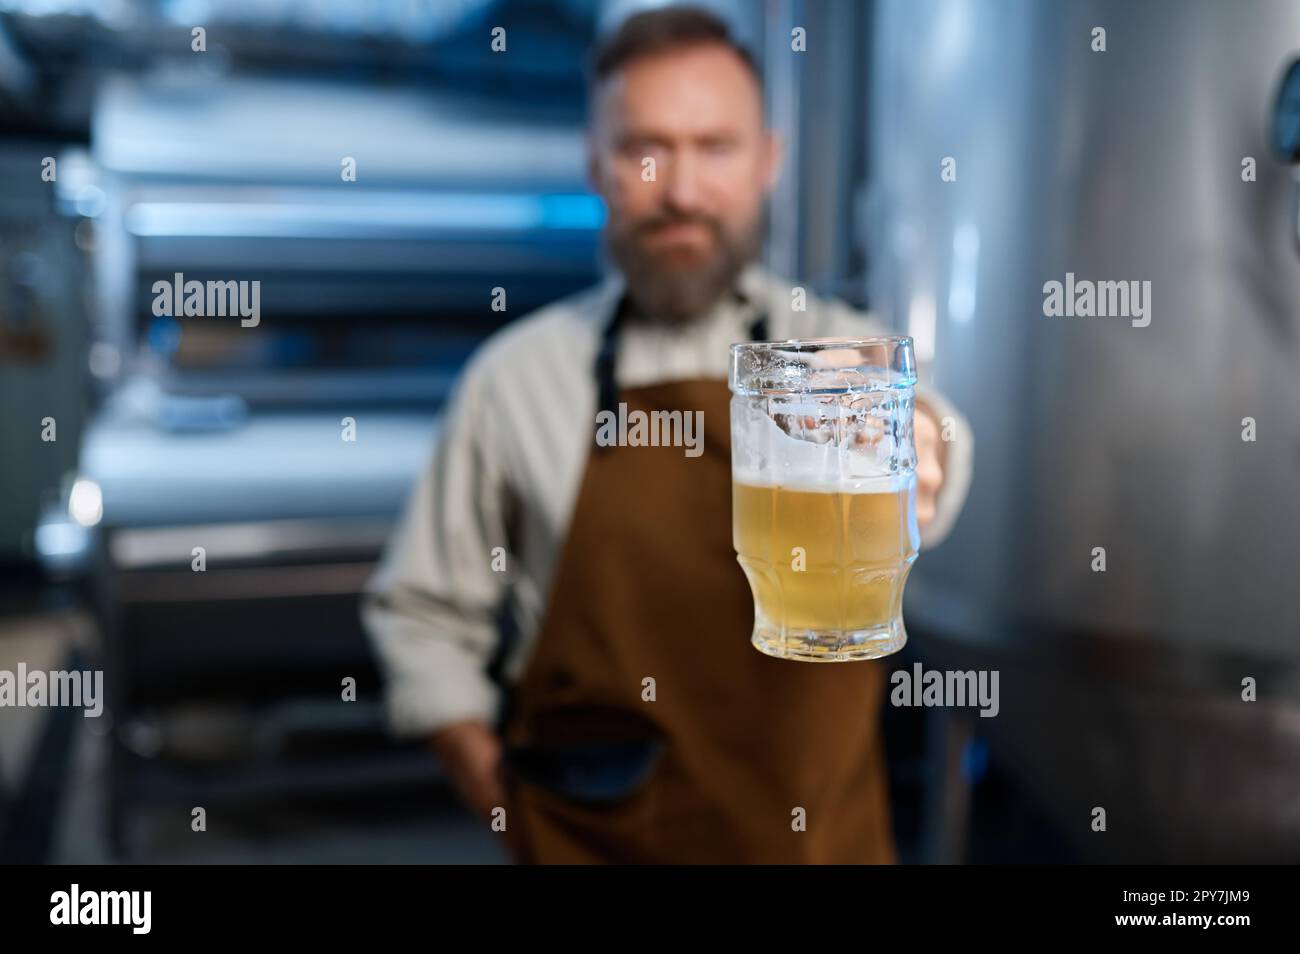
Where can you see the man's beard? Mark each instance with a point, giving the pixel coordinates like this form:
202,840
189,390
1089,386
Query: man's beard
676,293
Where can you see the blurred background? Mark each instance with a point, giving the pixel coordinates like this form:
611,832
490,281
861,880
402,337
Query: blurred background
126,156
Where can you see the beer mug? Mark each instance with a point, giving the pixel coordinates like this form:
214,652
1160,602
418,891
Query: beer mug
823,465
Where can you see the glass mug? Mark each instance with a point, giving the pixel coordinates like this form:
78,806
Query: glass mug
823,465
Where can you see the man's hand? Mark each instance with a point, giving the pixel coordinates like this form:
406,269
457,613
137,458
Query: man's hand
930,455
470,753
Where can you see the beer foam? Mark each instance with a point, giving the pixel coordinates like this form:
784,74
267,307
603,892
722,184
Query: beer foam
772,458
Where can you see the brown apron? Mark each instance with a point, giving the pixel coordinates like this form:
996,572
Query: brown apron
648,587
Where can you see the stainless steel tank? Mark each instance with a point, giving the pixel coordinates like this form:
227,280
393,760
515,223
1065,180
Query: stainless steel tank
1129,164
1119,165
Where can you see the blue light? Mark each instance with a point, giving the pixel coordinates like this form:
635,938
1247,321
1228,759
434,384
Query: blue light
572,212
307,214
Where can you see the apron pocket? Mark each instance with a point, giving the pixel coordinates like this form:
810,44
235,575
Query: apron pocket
589,773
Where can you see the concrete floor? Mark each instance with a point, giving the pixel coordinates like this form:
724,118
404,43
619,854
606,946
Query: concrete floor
397,827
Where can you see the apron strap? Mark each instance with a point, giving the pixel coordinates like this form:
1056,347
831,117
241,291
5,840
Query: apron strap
607,355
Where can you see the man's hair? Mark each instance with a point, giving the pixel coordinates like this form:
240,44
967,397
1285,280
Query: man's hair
659,31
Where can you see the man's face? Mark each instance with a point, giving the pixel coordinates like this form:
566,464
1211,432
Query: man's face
683,236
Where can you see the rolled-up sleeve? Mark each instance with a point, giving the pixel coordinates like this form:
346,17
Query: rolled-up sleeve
430,609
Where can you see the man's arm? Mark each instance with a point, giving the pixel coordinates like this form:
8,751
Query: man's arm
430,608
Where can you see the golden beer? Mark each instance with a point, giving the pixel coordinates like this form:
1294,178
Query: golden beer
826,567
823,470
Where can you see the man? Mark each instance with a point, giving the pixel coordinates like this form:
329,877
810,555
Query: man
636,722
